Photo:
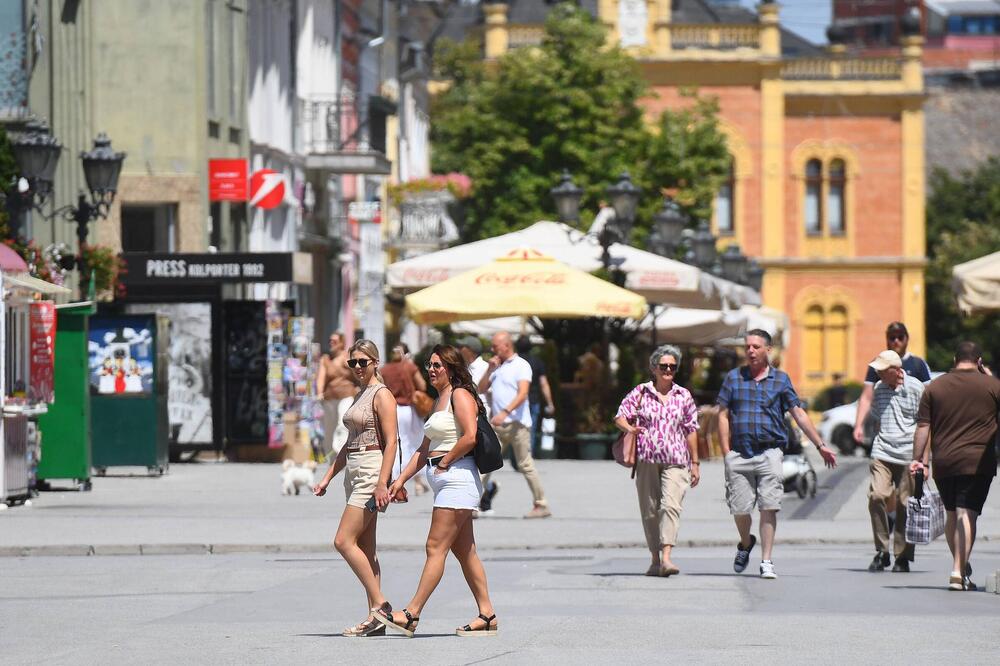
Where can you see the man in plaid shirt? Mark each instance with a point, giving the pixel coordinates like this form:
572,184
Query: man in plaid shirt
753,401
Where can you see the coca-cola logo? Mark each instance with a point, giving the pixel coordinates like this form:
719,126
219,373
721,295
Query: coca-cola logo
657,279
426,275
542,277
620,309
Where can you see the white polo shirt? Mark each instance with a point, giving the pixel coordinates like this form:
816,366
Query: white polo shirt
503,389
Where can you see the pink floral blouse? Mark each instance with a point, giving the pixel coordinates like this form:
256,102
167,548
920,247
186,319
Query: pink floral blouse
666,424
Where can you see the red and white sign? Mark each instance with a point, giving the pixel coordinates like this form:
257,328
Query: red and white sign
267,189
42,351
227,180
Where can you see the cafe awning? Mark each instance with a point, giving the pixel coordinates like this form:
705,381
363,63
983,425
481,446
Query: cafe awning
656,278
524,282
976,284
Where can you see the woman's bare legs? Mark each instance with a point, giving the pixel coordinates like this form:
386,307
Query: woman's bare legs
445,525
464,549
355,541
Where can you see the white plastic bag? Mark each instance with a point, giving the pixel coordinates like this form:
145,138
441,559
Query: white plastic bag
548,442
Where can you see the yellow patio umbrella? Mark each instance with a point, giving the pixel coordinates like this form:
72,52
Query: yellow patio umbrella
524,282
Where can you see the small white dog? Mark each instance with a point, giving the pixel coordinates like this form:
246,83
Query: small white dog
294,476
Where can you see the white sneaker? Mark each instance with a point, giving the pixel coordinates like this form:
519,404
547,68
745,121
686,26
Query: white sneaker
767,569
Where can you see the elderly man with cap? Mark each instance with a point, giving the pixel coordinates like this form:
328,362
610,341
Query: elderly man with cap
897,338
895,402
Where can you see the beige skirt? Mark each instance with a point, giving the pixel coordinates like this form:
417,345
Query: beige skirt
361,476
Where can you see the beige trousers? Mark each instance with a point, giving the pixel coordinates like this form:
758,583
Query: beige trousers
334,430
890,479
661,491
518,437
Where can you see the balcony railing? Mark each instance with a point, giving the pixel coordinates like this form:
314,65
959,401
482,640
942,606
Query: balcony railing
842,69
721,37
332,125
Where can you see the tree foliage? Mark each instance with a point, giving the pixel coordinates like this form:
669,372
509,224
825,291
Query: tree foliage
963,223
571,103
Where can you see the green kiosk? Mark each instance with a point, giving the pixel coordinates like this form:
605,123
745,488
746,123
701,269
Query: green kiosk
128,386
65,427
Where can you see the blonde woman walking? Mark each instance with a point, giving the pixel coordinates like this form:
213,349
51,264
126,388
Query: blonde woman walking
368,456
450,436
663,417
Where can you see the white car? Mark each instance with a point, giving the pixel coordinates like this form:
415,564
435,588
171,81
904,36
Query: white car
837,426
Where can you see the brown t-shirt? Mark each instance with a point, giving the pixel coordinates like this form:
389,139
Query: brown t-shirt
961,408
398,376
339,379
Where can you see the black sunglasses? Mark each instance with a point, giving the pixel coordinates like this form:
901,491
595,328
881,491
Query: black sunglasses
435,365
896,336
363,362
668,367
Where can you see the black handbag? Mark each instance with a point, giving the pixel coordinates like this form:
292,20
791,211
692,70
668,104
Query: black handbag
486,452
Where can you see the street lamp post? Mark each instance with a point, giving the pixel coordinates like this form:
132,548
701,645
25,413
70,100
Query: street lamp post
567,196
37,153
624,196
734,264
703,245
668,225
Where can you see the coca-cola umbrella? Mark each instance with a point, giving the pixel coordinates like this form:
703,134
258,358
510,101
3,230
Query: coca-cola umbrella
524,282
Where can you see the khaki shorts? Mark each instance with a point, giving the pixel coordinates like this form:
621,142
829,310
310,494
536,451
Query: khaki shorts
361,477
754,480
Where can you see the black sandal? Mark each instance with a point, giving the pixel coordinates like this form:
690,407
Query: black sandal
406,629
489,629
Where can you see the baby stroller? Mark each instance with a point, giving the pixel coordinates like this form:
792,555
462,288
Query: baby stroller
796,470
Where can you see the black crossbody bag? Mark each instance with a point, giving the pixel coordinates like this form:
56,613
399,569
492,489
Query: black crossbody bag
486,452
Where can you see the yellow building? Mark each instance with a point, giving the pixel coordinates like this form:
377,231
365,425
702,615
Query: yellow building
827,184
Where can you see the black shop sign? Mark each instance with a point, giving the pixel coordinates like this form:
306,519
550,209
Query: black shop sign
162,268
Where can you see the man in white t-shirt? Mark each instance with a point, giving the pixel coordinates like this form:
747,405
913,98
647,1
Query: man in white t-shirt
471,350
508,378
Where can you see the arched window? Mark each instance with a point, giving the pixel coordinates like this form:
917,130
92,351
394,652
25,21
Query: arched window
813,204
836,341
835,198
813,343
725,204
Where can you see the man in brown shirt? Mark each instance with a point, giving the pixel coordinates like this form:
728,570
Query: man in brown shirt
335,382
958,411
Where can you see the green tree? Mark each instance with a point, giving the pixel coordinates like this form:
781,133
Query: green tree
571,103
963,223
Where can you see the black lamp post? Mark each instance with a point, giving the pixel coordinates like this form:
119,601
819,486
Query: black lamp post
624,196
567,196
734,264
703,245
755,275
37,154
668,225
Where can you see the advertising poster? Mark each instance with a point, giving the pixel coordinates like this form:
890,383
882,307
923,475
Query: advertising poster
42,341
189,375
121,356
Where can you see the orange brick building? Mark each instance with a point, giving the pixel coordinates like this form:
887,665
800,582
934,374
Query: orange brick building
827,186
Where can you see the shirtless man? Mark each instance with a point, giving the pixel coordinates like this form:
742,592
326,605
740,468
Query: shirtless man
335,383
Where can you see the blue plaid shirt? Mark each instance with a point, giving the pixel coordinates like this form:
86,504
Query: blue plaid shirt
757,410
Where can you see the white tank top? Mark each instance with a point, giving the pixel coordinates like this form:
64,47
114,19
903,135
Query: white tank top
442,430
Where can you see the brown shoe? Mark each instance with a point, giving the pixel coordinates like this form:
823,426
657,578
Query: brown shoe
668,570
538,512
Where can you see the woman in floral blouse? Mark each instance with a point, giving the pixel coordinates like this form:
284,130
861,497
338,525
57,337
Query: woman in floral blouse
664,419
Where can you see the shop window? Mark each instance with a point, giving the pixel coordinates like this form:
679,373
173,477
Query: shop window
725,205
149,228
813,202
835,198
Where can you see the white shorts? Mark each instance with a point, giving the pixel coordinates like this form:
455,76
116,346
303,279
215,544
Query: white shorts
459,487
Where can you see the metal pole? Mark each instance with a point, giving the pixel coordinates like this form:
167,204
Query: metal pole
81,215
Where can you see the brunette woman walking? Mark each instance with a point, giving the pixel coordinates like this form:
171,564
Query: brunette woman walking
368,456
450,436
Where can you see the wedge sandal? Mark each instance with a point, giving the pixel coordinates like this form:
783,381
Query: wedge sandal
406,629
371,626
489,629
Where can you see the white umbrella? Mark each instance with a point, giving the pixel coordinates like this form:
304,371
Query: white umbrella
976,284
658,279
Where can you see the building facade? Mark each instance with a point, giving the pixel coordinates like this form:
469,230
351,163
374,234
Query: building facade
828,177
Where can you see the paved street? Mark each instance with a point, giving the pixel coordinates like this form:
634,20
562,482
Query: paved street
567,589
568,606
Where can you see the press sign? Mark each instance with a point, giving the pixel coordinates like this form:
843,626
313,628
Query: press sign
180,268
